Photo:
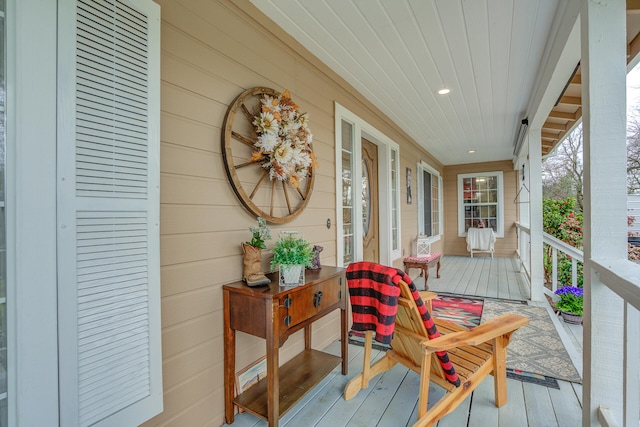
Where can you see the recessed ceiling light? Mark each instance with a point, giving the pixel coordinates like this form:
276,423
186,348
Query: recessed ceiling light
472,151
444,91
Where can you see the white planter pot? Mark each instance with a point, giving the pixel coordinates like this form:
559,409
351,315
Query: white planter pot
291,275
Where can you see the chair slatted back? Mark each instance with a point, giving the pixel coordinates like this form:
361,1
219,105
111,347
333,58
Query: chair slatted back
410,331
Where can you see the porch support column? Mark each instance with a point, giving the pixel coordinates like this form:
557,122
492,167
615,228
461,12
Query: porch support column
603,38
535,214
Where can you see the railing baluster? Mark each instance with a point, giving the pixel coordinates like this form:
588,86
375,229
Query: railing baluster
554,269
574,272
631,373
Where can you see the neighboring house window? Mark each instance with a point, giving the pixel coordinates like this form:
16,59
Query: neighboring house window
429,200
480,202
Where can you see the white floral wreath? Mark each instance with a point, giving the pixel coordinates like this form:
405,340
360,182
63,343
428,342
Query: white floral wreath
283,139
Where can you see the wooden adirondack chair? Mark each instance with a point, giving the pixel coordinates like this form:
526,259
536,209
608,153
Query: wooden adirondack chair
474,353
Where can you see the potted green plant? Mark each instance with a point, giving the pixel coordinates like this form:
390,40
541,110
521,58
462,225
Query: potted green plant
571,303
292,254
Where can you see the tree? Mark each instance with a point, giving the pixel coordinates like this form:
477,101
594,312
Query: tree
633,150
562,173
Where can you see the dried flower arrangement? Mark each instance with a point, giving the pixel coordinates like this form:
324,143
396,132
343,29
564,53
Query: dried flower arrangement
283,139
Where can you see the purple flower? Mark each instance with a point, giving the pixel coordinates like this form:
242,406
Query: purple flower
570,290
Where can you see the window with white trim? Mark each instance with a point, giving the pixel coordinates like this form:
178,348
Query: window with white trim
481,202
429,200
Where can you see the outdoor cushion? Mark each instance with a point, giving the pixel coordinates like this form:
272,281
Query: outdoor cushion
429,258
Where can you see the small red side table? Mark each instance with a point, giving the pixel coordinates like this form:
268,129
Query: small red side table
423,263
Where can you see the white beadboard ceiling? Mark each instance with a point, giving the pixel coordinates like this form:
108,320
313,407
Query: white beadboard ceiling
398,53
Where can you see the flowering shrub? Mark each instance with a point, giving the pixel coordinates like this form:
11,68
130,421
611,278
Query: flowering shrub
259,234
571,230
571,300
283,139
554,213
560,220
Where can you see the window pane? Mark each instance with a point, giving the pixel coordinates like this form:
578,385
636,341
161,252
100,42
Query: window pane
426,197
394,200
346,179
347,135
435,205
366,199
347,193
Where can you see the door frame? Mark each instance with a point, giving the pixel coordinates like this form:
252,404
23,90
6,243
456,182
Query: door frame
387,192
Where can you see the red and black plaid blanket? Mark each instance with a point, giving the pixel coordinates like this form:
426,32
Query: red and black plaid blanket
373,292
374,299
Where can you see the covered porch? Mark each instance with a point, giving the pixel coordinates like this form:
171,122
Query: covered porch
391,399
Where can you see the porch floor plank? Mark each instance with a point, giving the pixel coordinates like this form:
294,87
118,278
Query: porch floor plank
512,413
483,410
402,407
567,408
539,406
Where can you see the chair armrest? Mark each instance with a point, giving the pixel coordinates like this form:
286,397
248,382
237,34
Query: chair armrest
501,325
427,295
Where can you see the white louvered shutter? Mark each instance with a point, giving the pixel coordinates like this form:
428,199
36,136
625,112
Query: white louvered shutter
108,212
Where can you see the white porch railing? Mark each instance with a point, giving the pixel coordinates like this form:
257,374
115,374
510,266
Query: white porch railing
575,254
623,278
524,250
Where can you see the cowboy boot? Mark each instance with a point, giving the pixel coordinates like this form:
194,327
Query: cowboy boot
252,260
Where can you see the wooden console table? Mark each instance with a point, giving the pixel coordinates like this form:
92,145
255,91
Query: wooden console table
274,313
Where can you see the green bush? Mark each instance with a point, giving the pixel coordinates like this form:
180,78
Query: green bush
564,271
561,221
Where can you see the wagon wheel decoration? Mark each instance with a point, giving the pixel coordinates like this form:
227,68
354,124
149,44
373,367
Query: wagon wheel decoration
267,153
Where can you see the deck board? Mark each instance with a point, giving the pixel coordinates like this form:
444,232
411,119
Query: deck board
483,410
566,406
511,413
391,398
402,405
538,405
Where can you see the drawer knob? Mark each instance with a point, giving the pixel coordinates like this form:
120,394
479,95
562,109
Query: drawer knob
287,320
317,299
287,302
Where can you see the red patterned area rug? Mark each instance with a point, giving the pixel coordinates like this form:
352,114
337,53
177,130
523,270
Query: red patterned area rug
462,310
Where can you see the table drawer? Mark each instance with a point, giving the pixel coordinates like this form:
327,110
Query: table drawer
305,303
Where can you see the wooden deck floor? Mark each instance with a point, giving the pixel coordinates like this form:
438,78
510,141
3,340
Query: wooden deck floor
391,398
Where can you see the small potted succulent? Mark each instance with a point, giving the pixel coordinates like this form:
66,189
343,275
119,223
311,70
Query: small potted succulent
571,303
252,272
292,255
